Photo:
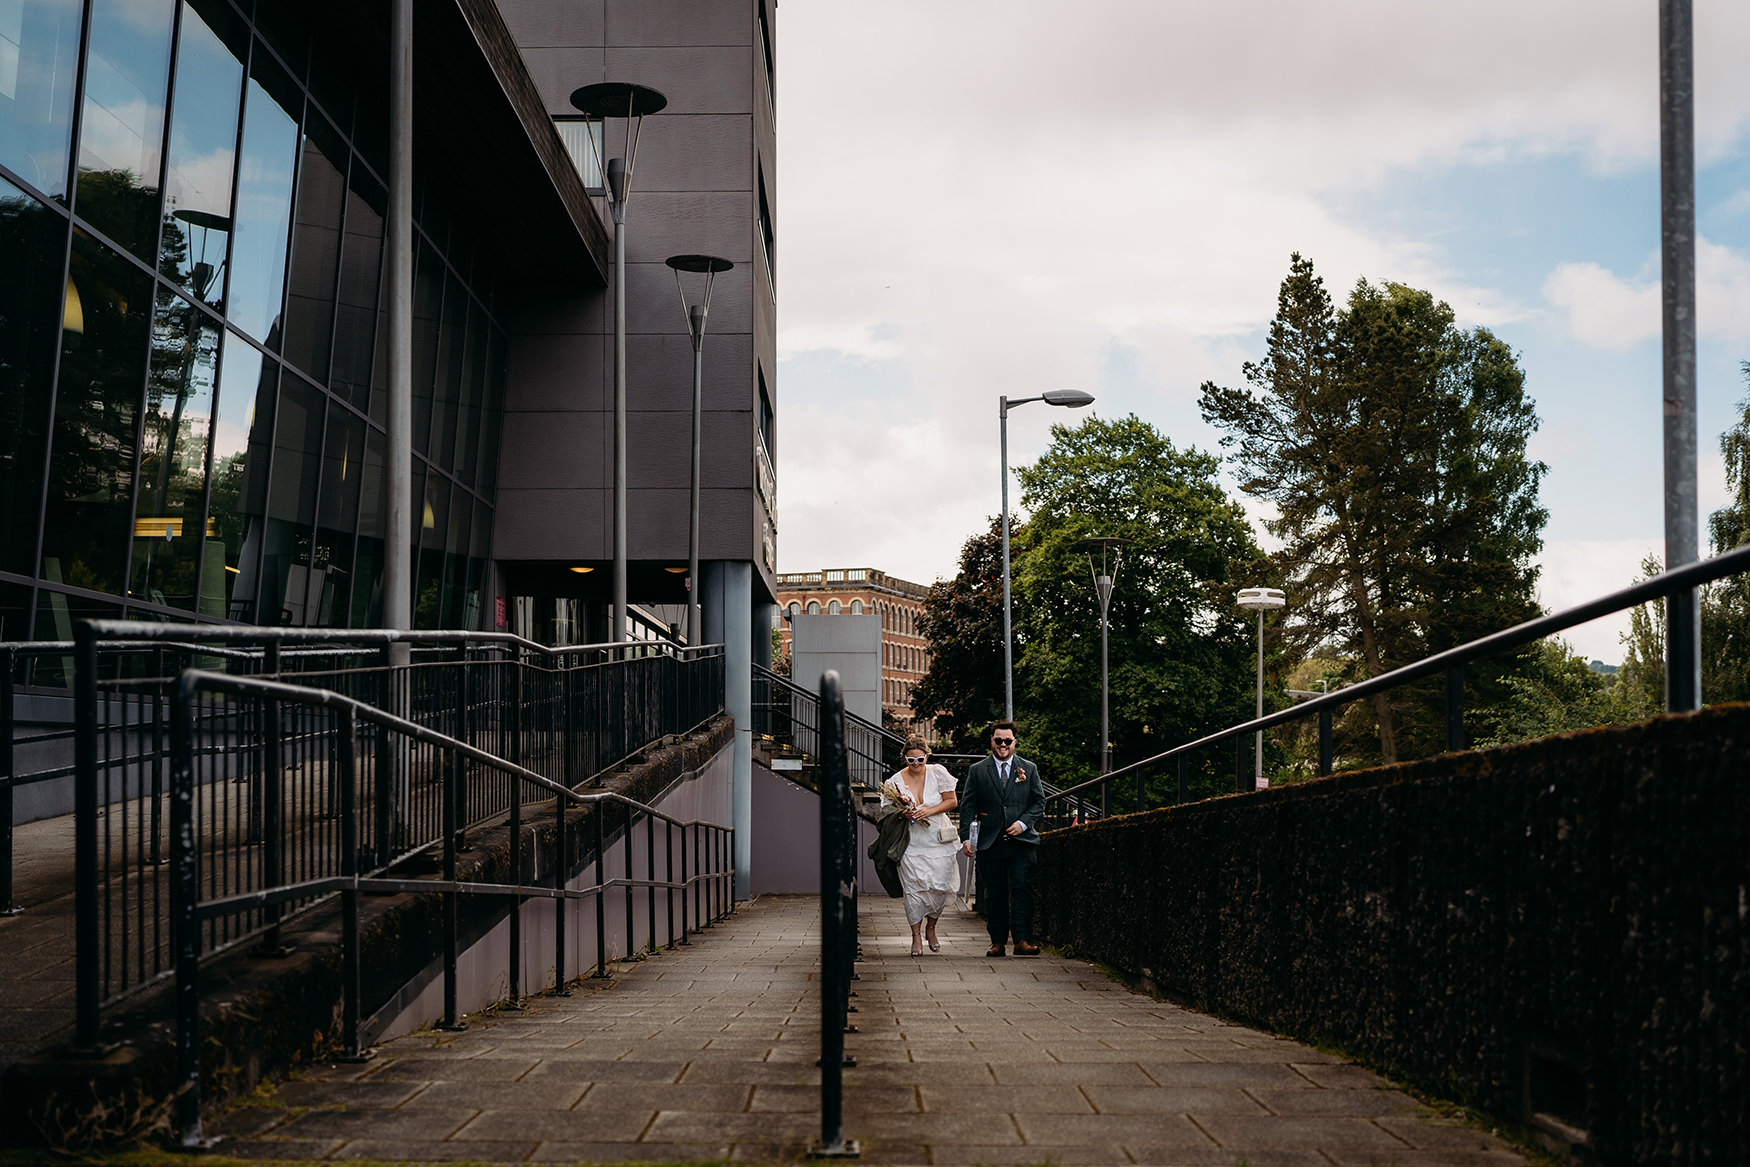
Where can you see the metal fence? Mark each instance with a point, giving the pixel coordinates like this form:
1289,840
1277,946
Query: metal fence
838,918
349,767
267,797
1678,582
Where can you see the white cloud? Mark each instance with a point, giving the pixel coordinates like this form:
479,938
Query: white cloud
986,196
1611,312
1577,570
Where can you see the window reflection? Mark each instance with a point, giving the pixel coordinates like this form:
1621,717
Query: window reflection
315,250
356,315
203,139
169,533
472,393
428,295
479,552
39,50
264,200
367,592
33,302
91,457
434,526
287,555
493,410
456,557
248,386
330,576
452,340
122,126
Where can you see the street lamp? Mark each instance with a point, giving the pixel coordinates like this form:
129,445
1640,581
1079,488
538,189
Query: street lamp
1260,600
1105,544
1069,399
710,265
618,99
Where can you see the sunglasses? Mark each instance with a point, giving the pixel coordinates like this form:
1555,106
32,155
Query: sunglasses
914,761
1002,741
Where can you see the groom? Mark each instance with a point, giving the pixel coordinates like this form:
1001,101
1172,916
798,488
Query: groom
1004,796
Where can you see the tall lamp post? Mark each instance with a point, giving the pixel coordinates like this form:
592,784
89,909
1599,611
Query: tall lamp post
1260,600
603,101
1105,545
710,265
1069,399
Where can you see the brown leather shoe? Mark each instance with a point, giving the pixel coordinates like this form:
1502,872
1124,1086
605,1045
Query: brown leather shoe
1022,948
996,950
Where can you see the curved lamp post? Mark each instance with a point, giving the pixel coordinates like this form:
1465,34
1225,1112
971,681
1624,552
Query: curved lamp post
1260,600
619,99
1069,399
709,265
1106,545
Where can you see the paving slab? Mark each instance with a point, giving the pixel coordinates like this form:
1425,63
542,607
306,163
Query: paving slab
707,1053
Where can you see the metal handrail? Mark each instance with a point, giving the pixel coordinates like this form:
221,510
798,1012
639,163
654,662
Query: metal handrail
190,911
1450,662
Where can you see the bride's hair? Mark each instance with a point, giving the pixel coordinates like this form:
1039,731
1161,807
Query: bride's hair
914,742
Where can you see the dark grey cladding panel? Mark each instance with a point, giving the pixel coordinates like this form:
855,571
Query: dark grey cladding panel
555,450
681,22
702,152
551,371
658,448
561,525
726,452
663,223
558,71
555,22
653,305
727,524
695,80
656,525
539,313
660,371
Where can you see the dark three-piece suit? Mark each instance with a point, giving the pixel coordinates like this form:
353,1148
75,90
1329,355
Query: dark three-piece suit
1005,865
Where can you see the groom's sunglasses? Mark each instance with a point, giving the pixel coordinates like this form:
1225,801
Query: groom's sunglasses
1002,741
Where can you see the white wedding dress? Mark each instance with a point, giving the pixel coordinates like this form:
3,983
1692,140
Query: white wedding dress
927,870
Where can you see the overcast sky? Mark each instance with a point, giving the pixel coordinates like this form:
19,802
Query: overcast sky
979,197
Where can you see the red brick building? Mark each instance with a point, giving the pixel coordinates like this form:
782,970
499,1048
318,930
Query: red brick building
862,591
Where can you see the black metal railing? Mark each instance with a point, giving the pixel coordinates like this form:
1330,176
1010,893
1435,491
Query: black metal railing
785,711
1449,664
267,771
838,918
225,891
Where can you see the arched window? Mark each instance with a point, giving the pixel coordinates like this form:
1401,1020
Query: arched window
814,607
856,607
795,608
832,607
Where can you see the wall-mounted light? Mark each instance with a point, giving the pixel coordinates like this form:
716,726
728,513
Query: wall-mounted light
72,317
675,570
583,570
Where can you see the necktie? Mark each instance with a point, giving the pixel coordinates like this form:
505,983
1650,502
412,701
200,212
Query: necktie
1003,767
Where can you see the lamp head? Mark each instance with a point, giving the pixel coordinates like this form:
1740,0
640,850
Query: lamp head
617,99
1068,398
1261,599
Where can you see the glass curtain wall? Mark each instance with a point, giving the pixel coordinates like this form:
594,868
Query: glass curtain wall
192,365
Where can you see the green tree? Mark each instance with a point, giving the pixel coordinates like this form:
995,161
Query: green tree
1553,691
963,620
1725,613
1392,444
1181,659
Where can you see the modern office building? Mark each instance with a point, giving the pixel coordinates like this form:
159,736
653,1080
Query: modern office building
858,591
193,341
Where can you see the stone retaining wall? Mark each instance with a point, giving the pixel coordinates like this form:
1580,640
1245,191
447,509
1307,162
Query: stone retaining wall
1555,932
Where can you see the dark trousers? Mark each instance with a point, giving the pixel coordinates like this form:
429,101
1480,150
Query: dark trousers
1005,872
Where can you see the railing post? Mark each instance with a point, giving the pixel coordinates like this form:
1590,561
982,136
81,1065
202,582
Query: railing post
668,878
185,893
601,892
154,851
1139,793
460,825
8,661
452,1018
650,873
686,930
1325,751
835,968
631,903
1184,779
559,867
269,807
87,990
1455,708
1243,780
351,1006
513,753
384,796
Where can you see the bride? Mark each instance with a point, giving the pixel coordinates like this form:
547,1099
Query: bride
925,794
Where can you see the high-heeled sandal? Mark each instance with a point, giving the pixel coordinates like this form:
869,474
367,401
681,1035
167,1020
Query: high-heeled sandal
917,949
935,945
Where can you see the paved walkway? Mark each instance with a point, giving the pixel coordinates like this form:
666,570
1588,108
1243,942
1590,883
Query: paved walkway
708,1053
